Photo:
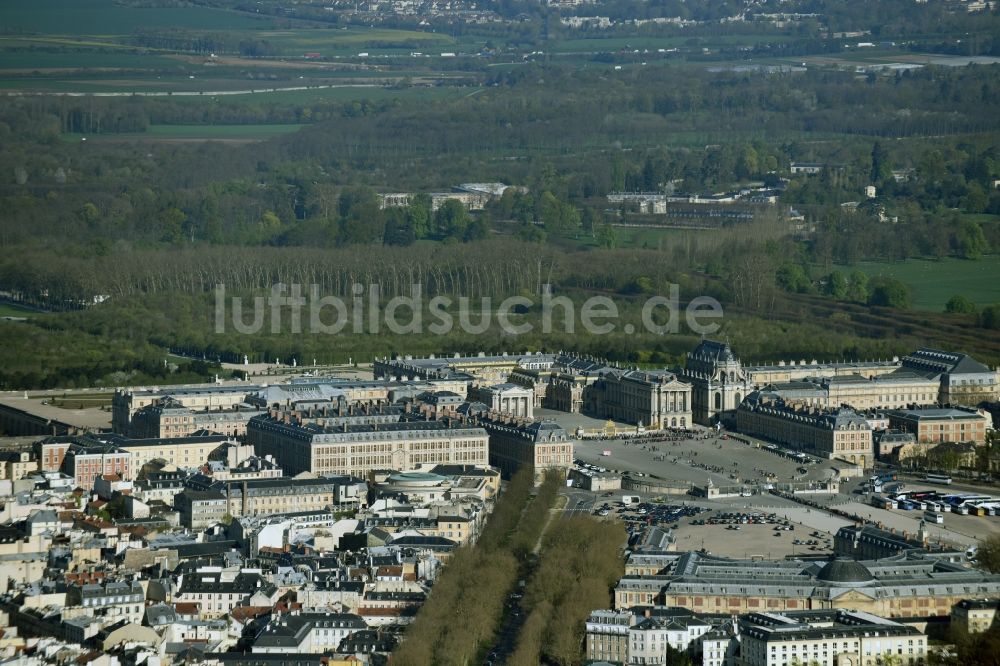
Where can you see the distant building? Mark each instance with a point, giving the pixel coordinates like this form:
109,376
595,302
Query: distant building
482,368
111,601
188,451
807,167
262,497
894,444
886,391
216,593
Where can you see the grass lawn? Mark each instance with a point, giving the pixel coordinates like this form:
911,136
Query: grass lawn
932,283
15,310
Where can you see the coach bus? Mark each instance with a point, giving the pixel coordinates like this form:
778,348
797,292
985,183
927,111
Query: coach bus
938,478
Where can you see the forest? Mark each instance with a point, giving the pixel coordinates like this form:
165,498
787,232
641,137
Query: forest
115,237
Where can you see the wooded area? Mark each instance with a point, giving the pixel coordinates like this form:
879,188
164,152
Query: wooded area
466,605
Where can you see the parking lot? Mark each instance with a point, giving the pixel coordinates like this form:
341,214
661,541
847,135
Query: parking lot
696,459
716,528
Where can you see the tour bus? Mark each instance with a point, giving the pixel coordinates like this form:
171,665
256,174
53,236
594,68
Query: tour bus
934,517
938,478
960,509
884,502
974,500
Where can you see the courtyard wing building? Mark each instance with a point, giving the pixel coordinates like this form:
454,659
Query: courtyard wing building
915,585
356,449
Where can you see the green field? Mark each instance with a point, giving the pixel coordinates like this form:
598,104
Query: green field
79,59
932,283
610,44
349,41
107,17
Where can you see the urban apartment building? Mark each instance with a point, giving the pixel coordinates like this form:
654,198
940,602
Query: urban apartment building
828,638
942,424
358,449
88,458
974,616
264,497
16,465
642,635
190,451
537,445
840,433
301,632
112,600
199,509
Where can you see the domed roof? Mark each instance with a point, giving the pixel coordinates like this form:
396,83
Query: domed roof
417,478
845,570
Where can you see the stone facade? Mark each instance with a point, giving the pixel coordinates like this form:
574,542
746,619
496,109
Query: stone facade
347,449
840,433
538,445
942,424
719,382
654,398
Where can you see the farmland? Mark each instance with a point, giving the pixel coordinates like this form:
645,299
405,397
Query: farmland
107,18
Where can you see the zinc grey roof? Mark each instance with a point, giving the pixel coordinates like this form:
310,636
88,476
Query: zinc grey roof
844,570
